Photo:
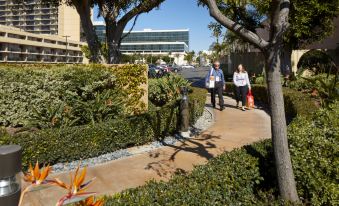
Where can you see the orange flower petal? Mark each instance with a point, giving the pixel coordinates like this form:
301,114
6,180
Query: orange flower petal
36,171
99,203
60,183
80,180
45,173
89,200
31,170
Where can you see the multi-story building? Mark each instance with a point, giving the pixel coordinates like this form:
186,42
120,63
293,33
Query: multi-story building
35,17
24,47
152,42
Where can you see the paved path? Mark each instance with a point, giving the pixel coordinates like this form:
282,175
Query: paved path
233,128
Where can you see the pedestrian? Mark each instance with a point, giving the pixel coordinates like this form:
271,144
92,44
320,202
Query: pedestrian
242,85
218,76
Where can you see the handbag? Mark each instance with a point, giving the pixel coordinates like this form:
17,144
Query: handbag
210,83
250,100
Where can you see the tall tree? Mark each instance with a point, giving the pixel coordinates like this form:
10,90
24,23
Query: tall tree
83,8
278,14
116,15
310,21
189,57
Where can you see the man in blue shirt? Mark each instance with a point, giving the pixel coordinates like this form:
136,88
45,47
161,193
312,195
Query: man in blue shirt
218,76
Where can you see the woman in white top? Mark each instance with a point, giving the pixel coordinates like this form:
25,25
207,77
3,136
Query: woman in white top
242,84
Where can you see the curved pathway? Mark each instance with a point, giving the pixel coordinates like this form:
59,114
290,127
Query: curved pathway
233,128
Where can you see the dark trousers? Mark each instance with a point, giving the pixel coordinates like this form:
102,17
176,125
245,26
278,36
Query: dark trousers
240,94
217,90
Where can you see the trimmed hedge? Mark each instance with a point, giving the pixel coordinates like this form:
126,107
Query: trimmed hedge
197,101
295,101
246,176
79,142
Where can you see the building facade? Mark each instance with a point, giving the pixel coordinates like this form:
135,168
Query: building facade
37,18
174,43
18,46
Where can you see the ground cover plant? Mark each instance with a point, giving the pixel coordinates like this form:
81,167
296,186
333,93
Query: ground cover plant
246,176
46,96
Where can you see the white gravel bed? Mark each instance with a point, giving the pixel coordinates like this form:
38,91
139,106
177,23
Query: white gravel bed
203,123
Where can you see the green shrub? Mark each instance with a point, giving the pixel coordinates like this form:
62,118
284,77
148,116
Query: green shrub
260,80
246,176
295,101
78,142
315,156
229,179
197,101
74,143
301,84
165,89
39,94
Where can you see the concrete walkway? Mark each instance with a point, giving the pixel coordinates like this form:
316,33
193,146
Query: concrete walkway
233,128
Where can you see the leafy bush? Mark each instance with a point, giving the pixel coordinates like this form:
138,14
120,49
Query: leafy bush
327,88
246,176
260,80
165,89
46,92
73,143
314,149
197,101
295,101
301,84
324,86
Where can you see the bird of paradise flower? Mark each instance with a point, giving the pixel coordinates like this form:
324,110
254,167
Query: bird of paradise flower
76,189
37,179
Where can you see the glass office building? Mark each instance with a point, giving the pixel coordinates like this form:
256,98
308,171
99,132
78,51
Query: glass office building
151,41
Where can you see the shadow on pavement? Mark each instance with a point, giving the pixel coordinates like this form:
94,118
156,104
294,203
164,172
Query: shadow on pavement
166,167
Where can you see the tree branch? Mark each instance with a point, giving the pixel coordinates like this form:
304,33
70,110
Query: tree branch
279,23
134,22
144,6
234,26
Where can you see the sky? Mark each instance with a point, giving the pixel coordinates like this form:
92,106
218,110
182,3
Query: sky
179,14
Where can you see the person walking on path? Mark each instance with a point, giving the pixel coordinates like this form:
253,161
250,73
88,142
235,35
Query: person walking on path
242,85
218,76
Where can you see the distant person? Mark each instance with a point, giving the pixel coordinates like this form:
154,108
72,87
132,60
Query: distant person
242,84
216,73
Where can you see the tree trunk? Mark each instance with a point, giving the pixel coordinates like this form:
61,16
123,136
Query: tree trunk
286,57
84,10
113,36
285,176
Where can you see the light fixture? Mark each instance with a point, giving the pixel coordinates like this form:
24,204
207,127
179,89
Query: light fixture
10,168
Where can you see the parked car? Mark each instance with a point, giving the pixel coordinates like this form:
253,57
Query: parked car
186,66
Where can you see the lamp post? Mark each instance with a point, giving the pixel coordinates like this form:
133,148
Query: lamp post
66,47
10,187
184,113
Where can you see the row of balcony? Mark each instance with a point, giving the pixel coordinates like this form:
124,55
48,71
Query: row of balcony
41,54
20,13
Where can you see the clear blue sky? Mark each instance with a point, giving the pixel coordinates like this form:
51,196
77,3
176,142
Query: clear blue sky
180,14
